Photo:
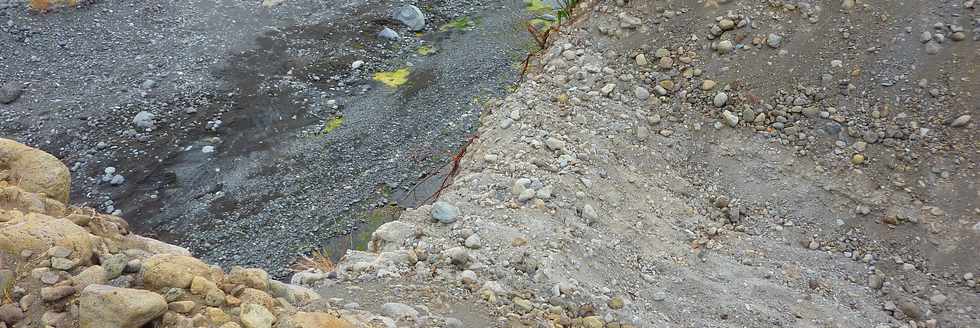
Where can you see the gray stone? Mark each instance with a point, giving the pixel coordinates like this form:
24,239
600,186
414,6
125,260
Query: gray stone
10,92
411,16
51,294
399,311
144,120
774,40
473,241
444,212
59,251
961,121
11,314
720,99
590,214
62,263
554,143
389,34
729,118
114,265
641,93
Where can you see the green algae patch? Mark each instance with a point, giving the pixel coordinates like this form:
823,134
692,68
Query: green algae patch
332,124
538,7
372,220
425,50
462,23
393,79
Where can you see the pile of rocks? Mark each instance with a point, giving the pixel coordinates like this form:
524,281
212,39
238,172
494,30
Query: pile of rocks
66,266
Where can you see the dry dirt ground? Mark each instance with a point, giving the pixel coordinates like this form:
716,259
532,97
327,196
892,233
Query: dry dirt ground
834,184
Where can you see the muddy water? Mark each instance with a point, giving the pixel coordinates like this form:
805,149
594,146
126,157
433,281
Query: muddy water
276,187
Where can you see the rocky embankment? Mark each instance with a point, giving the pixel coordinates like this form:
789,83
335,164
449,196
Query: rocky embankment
65,266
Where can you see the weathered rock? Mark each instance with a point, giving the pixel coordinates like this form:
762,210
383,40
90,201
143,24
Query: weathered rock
256,316
93,275
390,236
153,246
103,306
10,92
444,212
317,320
37,233
11,314
34,170
411,16
254,278
398,311
165,270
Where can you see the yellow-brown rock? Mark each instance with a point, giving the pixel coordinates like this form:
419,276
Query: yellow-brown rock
167,270
38,232
34,170
255,296
318,320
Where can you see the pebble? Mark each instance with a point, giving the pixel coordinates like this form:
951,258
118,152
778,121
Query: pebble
398,311
389,34
554,143
720,99
641,93
357,64
659,296
725,46
932,48
473,241
857,159
961,121
607,89
707,85
144,120
10,92
937,299
641,60
774,40
730,119
589,213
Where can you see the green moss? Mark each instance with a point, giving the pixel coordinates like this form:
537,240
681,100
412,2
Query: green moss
538,7
372,220
393,79
461,23
425,50
332,124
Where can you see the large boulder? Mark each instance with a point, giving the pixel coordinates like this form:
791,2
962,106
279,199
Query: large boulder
253,278
34,170
153,246
38,232
391,236
167,270
16,198
256,316
102,306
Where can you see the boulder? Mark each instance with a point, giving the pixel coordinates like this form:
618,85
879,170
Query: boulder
253,278
296,295
317,320
34,170
152,246
38,232
16,198
411,16
255,296
167,270
390,236
255,316
93,275
103,306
